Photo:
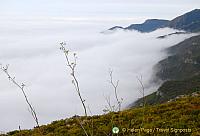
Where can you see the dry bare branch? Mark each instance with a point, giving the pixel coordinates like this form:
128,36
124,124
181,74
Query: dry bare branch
115,85
110,107
142,91
72,66
21,86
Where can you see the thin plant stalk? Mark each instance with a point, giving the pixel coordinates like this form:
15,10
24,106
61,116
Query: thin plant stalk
21,87
142,91
72,66
115,85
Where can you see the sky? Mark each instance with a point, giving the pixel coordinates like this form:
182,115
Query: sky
31,30
121,12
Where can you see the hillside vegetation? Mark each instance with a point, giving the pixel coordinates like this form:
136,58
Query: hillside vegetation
183,62
180,117
171,90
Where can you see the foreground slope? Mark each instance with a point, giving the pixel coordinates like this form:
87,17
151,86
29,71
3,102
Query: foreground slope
180,117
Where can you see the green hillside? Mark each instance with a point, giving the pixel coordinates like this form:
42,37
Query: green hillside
180,117
183,63
170,90
180,71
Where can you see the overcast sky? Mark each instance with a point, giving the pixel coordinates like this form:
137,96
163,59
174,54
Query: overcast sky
30,31
120,11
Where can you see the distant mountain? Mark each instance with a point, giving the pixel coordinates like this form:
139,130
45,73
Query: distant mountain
115,28
189,22
149,25
167,35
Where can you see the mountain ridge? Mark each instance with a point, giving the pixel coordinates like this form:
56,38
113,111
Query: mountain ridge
149,25
189,22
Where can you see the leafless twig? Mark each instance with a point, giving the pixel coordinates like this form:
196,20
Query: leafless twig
115,85
72,66
21,87
109,107
142,91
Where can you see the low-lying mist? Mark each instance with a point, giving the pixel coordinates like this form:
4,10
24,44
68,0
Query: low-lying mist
31,48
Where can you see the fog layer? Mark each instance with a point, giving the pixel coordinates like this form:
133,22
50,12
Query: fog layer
32,50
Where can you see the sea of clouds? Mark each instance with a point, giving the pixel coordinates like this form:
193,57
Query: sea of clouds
31,48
